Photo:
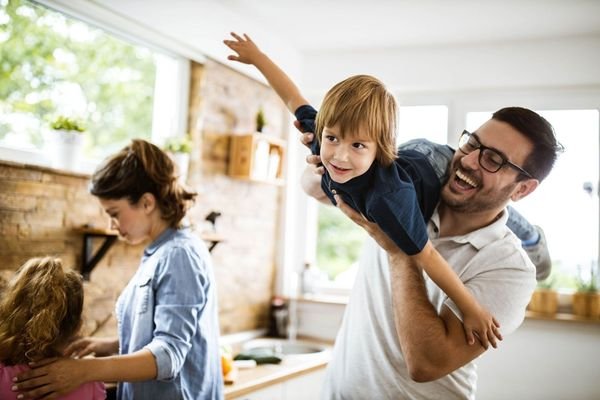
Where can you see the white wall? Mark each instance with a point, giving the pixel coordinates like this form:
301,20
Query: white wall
543,360
565,62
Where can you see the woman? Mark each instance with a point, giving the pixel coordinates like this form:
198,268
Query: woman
167,314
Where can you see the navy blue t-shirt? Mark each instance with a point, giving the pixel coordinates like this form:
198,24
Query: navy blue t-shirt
399,198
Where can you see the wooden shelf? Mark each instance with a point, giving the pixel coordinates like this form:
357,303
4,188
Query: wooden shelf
213,238
257,157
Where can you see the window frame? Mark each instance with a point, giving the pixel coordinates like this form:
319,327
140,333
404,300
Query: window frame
175,93
460,103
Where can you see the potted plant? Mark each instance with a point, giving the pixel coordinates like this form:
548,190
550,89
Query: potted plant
179,148
260,120
545,297
586,299
64,142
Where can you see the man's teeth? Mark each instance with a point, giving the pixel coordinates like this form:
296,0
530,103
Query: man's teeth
465,178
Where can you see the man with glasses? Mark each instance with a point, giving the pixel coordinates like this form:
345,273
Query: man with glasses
401,336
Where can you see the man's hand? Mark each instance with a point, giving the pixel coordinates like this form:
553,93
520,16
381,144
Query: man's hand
372,228
49,379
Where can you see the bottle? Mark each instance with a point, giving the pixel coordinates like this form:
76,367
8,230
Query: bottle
278,318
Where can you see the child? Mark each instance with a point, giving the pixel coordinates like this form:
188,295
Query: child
355,132
40,312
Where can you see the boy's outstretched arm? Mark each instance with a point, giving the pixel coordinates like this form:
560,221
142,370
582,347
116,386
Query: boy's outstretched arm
247,52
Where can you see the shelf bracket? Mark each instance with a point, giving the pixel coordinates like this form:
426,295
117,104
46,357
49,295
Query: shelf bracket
89,259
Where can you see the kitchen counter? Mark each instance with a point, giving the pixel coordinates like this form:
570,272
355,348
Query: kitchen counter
251,379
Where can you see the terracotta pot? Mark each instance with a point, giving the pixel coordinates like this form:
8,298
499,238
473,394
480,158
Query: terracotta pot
595,305
544,301
579,304
586,304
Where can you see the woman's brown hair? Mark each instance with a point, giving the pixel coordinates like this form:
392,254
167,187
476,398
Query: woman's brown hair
143,168
40,311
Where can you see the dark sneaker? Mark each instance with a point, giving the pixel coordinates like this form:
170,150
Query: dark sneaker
540,256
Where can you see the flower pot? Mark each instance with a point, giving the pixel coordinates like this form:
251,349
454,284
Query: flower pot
64,148
544,301
586,304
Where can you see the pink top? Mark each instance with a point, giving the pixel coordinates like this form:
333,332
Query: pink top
87,391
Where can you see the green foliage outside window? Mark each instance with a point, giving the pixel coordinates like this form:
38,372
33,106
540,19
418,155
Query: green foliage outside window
48,59
339,241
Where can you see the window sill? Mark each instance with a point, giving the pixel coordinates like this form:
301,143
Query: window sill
43,168
36,160
561,317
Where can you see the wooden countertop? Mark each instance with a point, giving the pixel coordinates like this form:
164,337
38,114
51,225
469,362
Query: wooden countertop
251,379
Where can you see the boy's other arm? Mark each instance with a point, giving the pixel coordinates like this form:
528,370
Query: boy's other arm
249,53
433,344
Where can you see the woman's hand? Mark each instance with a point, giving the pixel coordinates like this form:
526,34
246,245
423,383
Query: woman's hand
247,51
100,347
50,378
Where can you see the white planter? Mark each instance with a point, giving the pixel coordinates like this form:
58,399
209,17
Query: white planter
64,148
182,162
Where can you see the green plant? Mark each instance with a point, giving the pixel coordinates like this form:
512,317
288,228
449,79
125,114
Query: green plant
68,124
548,283
587,285
260,120
179,144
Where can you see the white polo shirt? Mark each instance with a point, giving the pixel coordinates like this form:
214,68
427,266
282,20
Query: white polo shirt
367,361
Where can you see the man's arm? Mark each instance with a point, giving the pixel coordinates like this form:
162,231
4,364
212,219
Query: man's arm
433,344
249,53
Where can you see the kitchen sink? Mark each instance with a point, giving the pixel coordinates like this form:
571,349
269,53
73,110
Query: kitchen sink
285,347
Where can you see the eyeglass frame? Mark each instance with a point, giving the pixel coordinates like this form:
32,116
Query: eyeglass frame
483,148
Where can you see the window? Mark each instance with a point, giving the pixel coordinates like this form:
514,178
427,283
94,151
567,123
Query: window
56,65
569,195
339,240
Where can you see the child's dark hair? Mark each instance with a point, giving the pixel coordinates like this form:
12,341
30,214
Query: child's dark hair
40,310
143,168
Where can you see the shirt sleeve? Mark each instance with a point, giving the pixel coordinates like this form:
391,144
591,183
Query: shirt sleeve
181,286
503,287
398,214
307,115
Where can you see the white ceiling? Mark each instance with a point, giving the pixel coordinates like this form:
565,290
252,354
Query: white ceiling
318,25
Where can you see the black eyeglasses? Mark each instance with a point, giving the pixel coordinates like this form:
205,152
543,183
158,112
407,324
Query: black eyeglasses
490,159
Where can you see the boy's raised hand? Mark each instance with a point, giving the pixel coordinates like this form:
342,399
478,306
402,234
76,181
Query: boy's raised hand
246,49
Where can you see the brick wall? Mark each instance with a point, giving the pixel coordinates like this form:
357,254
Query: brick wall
41,208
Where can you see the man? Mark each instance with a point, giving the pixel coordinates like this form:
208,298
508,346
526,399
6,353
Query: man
401,336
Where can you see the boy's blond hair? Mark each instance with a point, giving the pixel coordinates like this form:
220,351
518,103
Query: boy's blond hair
363,103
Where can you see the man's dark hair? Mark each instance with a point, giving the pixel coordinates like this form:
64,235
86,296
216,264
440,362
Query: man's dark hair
540,132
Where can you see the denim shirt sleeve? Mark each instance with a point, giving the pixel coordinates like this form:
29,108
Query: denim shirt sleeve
180,285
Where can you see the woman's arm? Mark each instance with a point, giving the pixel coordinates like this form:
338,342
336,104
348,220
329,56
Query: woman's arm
52,378
249,53
476,320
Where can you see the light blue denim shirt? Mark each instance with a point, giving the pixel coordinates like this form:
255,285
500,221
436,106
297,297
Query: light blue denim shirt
170,308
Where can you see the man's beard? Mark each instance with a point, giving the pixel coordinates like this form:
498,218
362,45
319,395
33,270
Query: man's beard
483,200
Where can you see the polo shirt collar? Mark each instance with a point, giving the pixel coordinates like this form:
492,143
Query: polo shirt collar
480,237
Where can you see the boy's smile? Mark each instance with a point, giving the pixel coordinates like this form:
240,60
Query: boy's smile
346,156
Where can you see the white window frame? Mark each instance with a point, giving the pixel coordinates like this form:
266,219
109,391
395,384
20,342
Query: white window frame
459,104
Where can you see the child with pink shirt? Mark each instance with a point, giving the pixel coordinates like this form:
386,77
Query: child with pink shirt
40,310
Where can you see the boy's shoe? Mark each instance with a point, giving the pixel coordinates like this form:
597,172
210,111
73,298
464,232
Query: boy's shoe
540,256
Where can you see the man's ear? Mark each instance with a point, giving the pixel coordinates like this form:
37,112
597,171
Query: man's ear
148,202
524,188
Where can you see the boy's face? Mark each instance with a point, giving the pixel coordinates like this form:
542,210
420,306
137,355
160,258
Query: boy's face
348,157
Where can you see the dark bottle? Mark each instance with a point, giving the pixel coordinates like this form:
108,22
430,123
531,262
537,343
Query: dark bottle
278,318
